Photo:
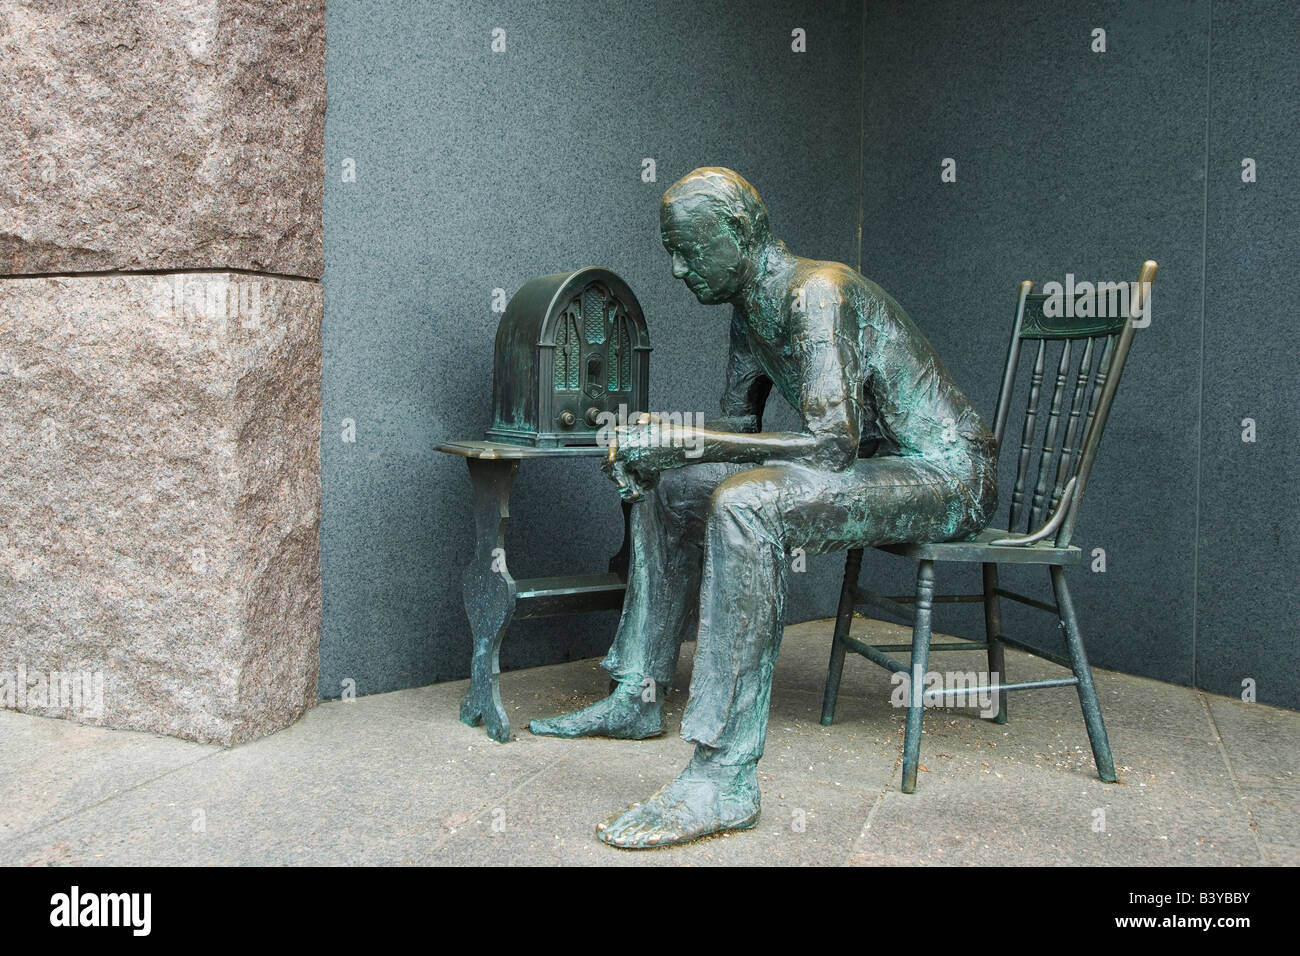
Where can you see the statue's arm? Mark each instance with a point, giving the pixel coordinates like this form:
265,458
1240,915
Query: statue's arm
829,404
747,387
829,386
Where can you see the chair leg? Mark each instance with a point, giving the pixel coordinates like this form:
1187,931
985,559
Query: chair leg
993,628
843,621
920,665
1087,692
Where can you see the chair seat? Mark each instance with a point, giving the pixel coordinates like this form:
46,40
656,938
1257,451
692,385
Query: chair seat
981,549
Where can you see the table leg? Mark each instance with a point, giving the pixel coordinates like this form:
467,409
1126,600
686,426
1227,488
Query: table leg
489,593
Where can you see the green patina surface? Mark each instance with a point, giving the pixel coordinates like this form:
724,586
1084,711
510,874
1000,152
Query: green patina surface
890,451
569,347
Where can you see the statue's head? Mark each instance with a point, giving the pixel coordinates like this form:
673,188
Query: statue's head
715,228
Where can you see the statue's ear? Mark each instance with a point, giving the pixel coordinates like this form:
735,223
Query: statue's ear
744,230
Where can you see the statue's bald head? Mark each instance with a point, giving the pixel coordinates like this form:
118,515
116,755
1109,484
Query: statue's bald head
716,230
725,195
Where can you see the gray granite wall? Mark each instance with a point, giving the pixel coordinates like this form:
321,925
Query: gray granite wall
1071,160
1248,599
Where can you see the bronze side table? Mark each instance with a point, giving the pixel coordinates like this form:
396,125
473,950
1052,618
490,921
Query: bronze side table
492,597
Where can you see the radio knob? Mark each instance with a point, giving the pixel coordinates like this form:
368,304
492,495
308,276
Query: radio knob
593,416
568,419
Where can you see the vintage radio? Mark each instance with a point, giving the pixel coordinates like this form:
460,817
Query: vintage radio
569,347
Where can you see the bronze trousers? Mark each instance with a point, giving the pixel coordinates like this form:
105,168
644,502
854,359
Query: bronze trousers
712,545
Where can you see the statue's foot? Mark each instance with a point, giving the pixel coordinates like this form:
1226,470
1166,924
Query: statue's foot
706,798
623,715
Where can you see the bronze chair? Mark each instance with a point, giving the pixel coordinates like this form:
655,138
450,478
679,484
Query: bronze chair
1088,377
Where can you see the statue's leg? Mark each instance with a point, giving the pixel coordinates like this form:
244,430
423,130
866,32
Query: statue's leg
742,601
658,608
755,519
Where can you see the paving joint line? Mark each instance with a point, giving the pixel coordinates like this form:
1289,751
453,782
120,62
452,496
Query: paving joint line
484,806
121,793
1236,784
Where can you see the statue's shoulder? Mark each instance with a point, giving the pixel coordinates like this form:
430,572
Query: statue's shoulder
872,303
826,276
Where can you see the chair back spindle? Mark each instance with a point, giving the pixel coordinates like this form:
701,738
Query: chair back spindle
1027,435
1047,457
1070,443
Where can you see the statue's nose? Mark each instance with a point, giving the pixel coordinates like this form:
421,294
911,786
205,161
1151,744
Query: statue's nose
679,267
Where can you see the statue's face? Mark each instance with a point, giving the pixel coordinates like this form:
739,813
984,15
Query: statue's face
706,253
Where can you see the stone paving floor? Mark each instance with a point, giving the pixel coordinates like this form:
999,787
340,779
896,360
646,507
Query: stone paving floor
397,779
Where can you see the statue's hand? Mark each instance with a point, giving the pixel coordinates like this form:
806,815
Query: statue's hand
652,445
632,486
630,462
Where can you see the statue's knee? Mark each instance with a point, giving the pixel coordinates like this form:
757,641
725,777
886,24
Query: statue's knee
727,498
741,505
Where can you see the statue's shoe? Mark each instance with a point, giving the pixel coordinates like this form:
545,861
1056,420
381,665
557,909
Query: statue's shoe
705,798
617,831
620,716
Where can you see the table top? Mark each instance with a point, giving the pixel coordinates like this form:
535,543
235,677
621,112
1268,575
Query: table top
496,449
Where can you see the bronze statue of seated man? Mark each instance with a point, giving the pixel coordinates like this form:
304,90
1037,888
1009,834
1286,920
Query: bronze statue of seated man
891,451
